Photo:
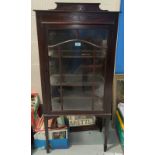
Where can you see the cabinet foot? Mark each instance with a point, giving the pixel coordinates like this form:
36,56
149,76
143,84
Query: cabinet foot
105,148
47,150
106,133
46,134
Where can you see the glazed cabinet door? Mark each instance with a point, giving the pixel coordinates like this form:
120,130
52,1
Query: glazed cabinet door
76,68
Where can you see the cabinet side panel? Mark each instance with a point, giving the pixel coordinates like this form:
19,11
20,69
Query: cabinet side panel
43,63
110,67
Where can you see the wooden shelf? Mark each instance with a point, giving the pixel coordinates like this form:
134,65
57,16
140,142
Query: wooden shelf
81,68
77,54
77,104
86,56
76,80
92,66
78,97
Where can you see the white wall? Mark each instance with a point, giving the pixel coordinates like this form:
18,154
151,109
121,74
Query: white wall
111,5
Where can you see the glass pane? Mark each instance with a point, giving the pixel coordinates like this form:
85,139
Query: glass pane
77,64
77,98
56,98
96,36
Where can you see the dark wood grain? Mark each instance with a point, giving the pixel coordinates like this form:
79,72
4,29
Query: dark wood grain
77,16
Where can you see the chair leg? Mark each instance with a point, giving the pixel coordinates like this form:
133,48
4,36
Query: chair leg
106,133
46,134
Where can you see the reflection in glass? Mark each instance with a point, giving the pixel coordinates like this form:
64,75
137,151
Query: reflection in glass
77,64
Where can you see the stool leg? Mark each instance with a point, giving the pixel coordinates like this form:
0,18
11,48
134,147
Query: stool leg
106,133
46,134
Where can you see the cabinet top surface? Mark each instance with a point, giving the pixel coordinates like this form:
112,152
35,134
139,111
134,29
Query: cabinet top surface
77,7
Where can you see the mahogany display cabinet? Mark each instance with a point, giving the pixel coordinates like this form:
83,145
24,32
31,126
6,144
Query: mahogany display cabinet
77,53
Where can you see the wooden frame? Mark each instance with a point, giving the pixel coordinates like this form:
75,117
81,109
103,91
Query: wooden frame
76,16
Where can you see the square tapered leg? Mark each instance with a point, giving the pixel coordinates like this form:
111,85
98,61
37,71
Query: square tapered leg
46,134
106,133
